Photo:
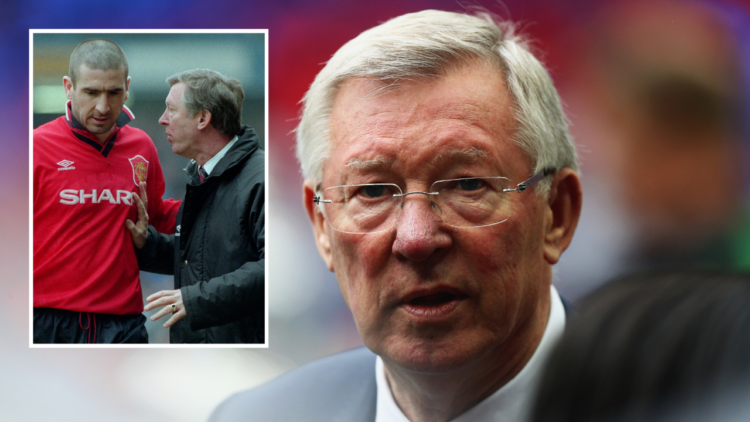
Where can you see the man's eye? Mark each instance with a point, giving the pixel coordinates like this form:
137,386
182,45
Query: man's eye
373,191
470,184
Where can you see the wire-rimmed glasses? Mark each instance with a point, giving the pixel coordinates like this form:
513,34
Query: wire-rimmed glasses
467,202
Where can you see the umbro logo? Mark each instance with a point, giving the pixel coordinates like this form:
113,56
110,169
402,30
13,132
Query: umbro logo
65,165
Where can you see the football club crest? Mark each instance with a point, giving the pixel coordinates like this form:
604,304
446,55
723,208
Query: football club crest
140,169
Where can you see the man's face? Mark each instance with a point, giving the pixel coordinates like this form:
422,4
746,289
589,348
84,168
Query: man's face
181,129
97,98
425,295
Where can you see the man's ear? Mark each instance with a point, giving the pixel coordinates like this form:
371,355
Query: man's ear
68,85
318,223
562,213
127,87
204,118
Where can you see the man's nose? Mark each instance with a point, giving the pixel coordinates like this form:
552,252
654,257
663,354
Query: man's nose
418,233
102,104
163,119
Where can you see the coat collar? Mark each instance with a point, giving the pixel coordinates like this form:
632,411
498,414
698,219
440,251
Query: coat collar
246,144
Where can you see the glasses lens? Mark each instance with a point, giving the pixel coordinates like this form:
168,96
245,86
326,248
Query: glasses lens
471,202
362,208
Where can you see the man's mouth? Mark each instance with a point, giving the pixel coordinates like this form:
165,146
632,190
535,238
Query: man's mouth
432,305
432,300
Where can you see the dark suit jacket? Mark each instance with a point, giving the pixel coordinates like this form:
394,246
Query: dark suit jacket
338,388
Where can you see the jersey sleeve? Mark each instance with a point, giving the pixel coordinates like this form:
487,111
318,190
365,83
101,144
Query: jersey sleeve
162,213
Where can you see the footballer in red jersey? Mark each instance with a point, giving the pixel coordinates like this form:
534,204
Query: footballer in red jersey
87,167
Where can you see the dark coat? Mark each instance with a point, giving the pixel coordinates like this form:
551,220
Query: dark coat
338,388
217,254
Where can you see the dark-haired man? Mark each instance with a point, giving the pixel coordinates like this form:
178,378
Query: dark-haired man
217,254
88,167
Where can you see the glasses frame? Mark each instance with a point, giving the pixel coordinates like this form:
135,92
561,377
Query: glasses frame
526,184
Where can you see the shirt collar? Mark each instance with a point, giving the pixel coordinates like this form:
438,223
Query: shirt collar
210,164
512,402
83,134
126,116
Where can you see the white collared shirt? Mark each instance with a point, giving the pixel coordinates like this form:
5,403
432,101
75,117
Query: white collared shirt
512,402
210,164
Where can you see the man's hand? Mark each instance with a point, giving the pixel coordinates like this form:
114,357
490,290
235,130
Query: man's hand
139,230
167,298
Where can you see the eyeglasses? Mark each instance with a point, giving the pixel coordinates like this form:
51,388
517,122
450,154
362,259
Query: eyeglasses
468,202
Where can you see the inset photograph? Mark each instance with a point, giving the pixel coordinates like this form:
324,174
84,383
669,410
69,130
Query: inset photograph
148,190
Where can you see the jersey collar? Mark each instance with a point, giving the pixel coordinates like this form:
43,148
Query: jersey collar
126,116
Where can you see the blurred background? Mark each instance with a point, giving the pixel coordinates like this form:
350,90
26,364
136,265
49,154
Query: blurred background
656,92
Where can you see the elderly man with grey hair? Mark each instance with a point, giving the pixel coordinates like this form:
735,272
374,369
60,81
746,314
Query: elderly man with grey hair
217,254
440,180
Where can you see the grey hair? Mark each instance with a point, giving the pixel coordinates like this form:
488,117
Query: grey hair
207,89
98,54
426,45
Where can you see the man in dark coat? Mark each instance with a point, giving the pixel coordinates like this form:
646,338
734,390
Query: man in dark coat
217,252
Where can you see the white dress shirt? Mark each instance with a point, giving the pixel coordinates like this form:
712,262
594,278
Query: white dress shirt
210,164
512,402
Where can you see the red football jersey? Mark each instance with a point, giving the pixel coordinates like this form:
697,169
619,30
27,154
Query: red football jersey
84,258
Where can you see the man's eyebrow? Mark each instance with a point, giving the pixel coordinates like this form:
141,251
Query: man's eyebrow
468,155
92,89
367,165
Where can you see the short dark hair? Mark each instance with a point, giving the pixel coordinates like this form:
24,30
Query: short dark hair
207,89
100,54
647,346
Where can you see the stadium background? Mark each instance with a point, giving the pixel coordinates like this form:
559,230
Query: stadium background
307,316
